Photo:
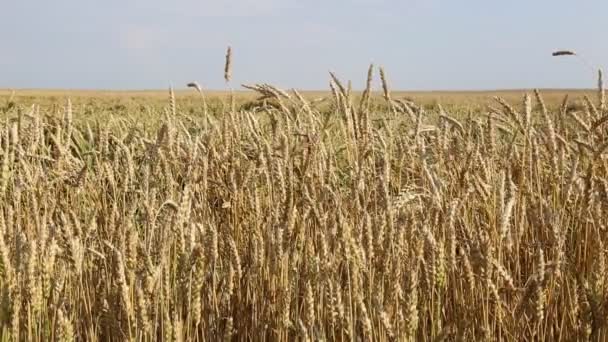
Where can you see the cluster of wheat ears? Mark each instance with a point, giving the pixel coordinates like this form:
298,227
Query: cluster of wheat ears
285,222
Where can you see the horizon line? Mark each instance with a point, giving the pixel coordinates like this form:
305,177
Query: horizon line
244,90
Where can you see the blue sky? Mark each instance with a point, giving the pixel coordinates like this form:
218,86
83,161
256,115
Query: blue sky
423,44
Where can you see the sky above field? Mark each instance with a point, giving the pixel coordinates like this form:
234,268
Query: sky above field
422,44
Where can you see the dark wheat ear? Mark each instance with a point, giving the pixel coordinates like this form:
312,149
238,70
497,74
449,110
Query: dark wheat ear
195,85
228,65
563,53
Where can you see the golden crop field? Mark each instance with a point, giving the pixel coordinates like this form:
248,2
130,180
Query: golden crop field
96,102
271,215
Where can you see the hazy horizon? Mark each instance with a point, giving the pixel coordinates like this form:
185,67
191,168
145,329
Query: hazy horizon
239,88
423,45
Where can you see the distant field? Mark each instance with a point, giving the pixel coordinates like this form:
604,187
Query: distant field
460,98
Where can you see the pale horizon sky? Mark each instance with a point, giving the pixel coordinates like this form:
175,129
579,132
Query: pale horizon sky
422,44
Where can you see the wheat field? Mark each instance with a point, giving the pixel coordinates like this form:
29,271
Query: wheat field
362,217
